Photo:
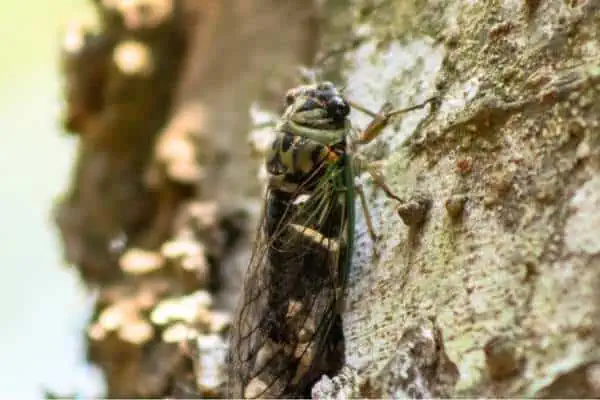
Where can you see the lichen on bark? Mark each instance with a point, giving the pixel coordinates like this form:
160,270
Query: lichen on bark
512,279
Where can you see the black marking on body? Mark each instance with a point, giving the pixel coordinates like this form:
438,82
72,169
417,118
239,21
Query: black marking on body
286,142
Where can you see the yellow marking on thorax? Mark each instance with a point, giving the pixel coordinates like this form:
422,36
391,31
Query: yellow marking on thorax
287,158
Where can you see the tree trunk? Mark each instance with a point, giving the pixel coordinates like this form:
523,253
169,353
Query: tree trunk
486,277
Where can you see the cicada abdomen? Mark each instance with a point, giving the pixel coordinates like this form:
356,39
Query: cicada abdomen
288,330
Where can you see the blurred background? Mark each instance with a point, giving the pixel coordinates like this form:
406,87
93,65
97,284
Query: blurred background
44,305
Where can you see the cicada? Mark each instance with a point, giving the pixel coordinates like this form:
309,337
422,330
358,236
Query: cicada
287,331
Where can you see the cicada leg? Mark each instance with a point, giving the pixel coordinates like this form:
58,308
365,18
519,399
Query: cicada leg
375,170
382,118
363,201
374,129
368,221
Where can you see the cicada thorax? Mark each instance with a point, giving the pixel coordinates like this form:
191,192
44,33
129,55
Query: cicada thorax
296,160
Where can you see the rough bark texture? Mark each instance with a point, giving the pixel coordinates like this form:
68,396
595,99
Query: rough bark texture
505,263
486,280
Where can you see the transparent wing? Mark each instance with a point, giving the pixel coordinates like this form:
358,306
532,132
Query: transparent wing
287,331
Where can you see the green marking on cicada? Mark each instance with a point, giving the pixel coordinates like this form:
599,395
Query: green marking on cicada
350,197
288,331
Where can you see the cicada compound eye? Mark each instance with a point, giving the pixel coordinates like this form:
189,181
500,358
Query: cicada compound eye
337,107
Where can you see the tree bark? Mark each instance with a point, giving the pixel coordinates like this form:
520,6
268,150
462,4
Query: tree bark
495,292
485,280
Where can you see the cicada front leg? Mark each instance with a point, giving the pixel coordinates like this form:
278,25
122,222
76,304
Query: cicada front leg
382,118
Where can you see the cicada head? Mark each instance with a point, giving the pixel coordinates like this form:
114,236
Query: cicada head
317,111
